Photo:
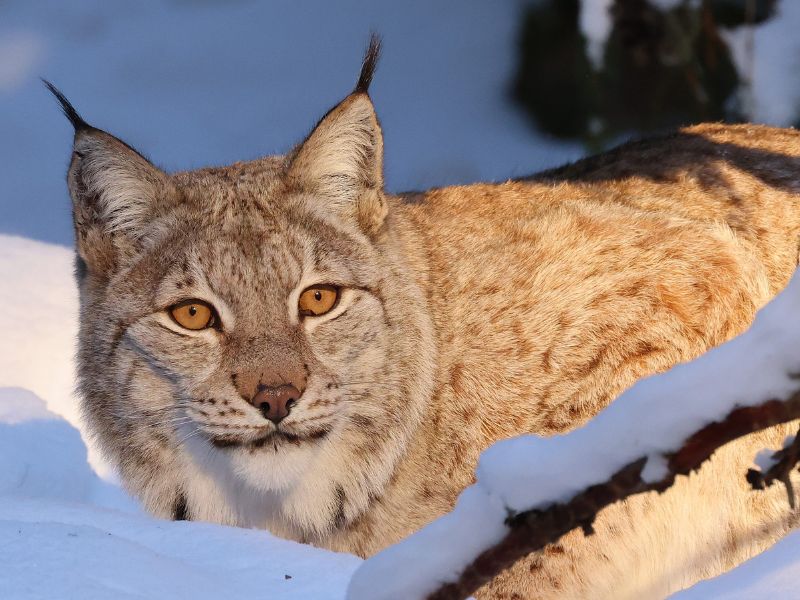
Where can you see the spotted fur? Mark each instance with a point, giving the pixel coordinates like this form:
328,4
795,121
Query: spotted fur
469,314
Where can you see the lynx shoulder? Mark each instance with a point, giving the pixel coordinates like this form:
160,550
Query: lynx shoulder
283,344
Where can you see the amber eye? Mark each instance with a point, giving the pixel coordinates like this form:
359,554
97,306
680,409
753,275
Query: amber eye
193,314
317,300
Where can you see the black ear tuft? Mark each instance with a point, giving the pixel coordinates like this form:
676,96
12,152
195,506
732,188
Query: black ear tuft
69,111
368,67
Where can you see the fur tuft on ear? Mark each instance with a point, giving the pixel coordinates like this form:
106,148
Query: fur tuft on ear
66,107
115,192
341,161
371,57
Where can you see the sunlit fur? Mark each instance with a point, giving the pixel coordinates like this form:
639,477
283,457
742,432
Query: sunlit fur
467,315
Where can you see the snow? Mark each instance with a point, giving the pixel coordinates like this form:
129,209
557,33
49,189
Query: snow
771,574
530,472
20,54
57,540
26,428
475,524
775,87
765,459
595,24
39,322
56,550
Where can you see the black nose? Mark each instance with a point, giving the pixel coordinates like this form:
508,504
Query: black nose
275,403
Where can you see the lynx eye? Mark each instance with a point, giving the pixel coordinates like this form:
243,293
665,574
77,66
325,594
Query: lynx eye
193,314
318,300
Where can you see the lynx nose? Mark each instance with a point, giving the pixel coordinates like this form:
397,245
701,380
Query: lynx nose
275,402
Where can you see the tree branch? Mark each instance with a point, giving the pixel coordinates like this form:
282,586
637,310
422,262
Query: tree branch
533,530
785,461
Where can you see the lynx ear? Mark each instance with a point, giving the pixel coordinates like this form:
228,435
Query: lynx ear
342,158
115,192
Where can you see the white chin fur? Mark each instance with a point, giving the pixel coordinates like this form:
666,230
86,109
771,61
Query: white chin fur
270,471
262,469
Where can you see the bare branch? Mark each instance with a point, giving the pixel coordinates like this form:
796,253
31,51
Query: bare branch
533,530
785,462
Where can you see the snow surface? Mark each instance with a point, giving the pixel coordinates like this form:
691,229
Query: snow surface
57,540
772,574
39,301
532,472
58,550
765,459
595,24
775,88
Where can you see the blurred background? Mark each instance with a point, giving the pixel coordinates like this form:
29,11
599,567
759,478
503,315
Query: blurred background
466,90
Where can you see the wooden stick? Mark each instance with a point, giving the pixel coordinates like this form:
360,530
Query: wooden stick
534,529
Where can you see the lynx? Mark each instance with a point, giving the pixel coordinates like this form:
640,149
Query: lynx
283,344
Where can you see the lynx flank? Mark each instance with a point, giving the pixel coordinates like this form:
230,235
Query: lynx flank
282,344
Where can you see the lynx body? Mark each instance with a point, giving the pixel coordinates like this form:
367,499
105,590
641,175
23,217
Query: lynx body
458,317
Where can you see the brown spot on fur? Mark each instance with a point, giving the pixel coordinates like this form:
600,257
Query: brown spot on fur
456,379
361,421
643,350
587,368
119,331
339,518
180,511
426,492
547,357
467,413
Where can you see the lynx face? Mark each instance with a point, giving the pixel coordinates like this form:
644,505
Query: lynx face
248,273
253,347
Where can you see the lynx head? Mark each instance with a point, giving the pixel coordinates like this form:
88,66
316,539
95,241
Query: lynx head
256,323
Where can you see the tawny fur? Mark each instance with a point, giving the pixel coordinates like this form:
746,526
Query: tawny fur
468,314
